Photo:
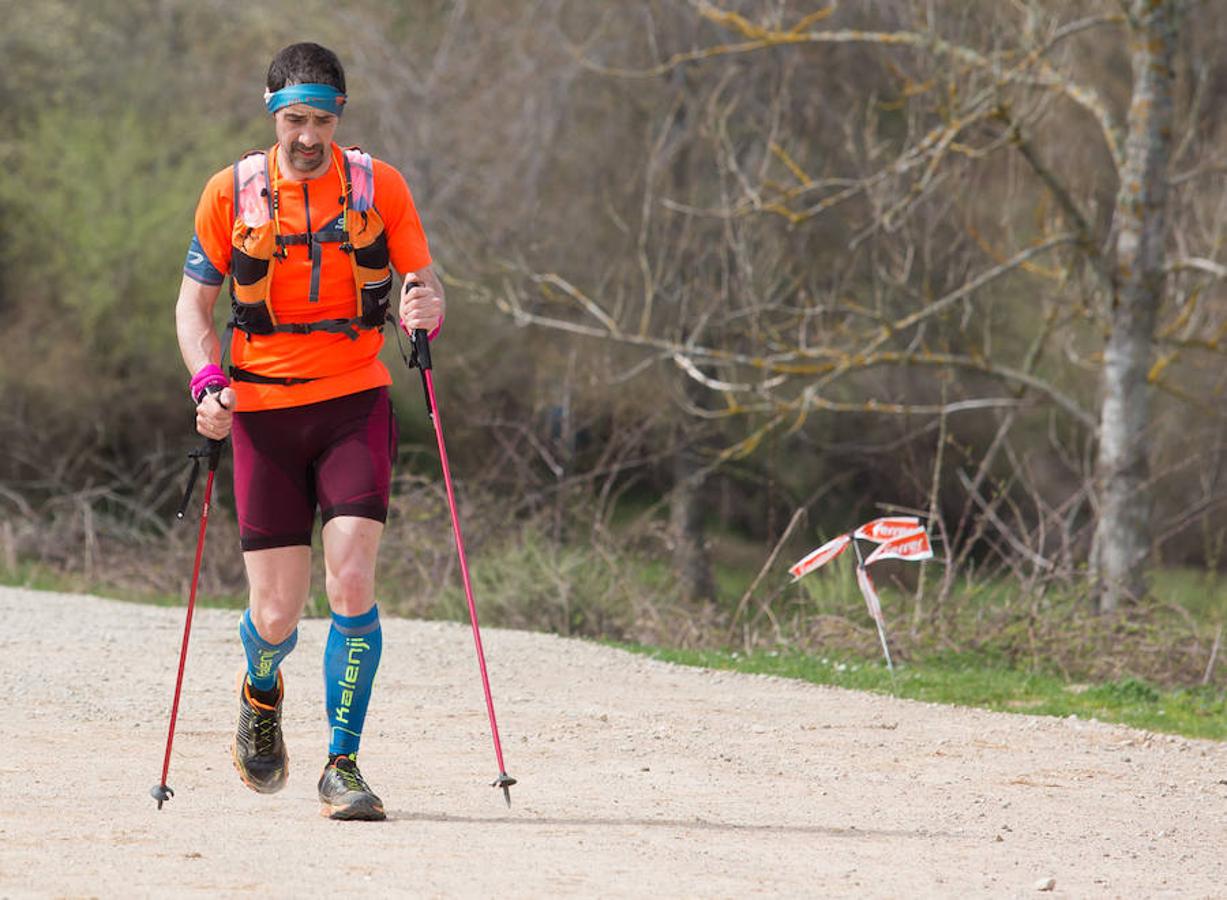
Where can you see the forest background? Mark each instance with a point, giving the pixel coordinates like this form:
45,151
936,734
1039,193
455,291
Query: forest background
724,281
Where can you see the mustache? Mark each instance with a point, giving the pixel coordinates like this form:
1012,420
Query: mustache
302,148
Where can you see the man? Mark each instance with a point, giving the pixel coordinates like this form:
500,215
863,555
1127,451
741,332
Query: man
307,233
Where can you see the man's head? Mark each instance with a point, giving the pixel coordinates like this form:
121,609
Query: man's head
306,94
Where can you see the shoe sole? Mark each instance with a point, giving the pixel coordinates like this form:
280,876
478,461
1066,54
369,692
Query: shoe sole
257,786
356,813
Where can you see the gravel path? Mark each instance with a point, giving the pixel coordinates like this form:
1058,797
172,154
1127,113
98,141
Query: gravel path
637,778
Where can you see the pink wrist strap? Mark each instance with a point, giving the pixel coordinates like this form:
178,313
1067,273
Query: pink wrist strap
206,378
430,337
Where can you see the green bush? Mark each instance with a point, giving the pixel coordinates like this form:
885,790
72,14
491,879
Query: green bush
530,582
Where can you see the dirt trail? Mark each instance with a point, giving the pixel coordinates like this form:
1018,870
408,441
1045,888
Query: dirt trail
637,778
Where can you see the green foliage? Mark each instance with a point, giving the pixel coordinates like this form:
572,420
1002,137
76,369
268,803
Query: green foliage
104,162
533,582
1203,593
106,202
1130,691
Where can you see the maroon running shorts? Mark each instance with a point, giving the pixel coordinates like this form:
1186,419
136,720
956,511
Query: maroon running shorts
336,454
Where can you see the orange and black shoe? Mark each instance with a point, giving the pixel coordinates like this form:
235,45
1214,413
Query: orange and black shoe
258,749
344,793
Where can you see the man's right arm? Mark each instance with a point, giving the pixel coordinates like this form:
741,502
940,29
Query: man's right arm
204,271
200,346
198,341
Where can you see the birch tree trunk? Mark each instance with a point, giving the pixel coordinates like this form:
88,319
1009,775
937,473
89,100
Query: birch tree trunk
687,508
1122,535
691,561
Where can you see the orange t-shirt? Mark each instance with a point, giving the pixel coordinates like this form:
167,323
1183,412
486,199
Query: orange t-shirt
337,364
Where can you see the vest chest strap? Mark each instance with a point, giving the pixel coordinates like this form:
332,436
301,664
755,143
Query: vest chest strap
314,237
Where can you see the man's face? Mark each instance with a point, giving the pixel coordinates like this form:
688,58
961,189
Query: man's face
305,135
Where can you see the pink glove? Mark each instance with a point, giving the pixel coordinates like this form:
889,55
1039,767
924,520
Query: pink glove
209,376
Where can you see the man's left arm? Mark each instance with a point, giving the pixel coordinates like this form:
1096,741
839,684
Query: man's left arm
421,299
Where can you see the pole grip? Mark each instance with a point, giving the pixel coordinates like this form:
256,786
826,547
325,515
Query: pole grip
421,348
215,453
209,449
419,341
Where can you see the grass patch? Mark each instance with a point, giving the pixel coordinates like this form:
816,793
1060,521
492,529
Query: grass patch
1202,593
38,577
1167,640
966,680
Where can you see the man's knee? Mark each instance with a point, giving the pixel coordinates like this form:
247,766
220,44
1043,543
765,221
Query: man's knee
351,590
275,618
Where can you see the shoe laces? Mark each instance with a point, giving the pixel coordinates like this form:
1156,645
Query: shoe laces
347,768
264,728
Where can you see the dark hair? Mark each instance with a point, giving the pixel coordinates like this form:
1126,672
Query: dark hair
305,64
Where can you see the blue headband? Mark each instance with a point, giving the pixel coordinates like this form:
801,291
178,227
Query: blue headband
321,96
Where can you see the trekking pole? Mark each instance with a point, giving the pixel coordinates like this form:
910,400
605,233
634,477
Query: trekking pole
212,451
420,357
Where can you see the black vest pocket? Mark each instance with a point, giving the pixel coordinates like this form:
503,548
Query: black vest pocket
252,318
246,270
375,302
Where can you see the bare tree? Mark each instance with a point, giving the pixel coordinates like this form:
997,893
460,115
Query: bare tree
1122,536
914,248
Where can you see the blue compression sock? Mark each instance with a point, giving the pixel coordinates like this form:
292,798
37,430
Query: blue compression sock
351,658
263,658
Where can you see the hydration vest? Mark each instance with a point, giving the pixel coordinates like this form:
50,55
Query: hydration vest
257,244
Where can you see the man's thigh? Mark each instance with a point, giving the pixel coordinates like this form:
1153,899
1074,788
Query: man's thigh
353,474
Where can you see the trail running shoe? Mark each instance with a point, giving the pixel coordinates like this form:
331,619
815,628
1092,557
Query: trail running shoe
258,749
344,793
